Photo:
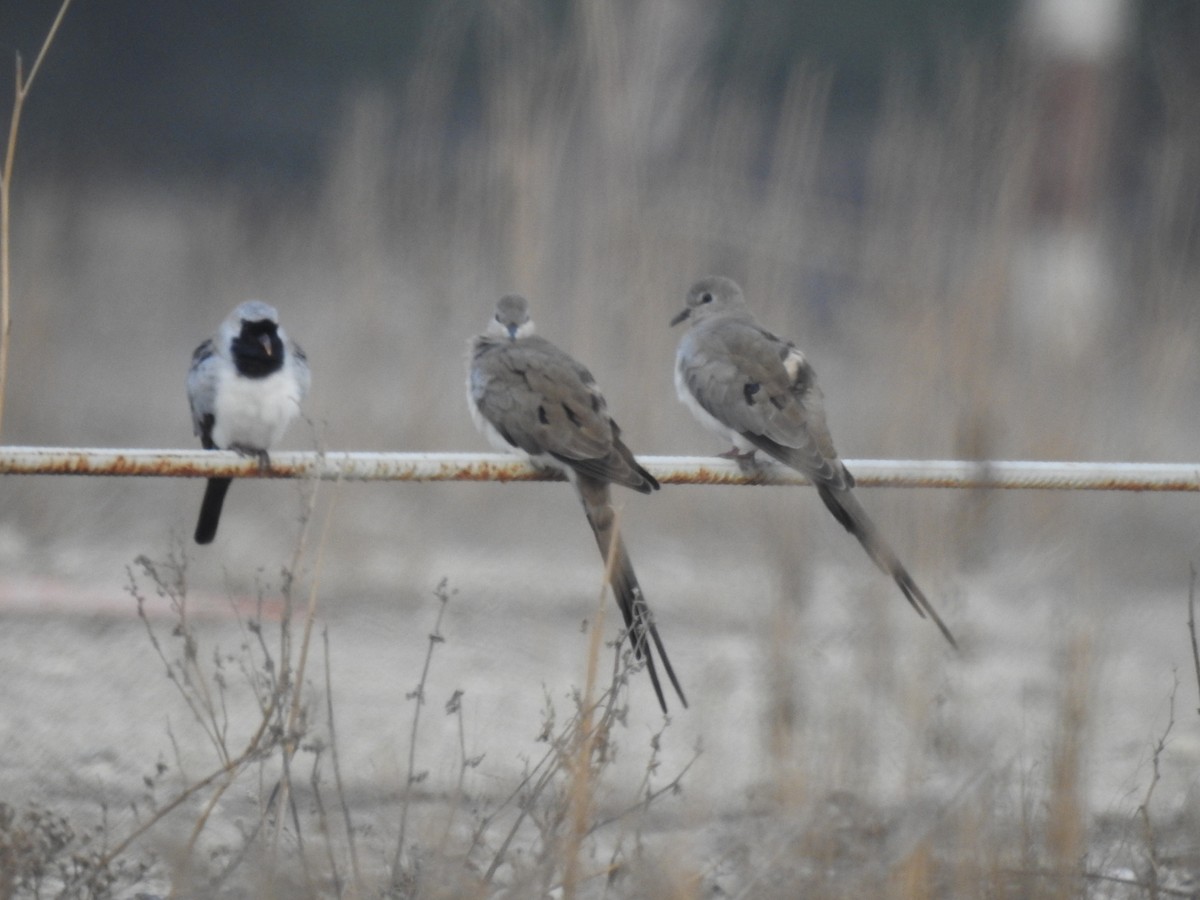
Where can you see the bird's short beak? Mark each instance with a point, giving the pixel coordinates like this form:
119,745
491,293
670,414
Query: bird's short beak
512,332
687,311
265,340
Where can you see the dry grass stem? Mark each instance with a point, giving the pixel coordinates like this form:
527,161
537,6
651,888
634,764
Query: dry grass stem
417,695
581,767
339,786
22,86
1191,621
293,730
1152,856
1066,827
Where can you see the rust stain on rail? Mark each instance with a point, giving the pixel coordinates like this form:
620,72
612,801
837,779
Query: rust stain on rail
123,465
514,471
118,465
725,476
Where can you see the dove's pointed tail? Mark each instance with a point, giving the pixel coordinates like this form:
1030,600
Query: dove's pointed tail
847,510
639,622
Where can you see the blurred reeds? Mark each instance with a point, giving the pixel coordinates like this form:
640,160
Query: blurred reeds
600,169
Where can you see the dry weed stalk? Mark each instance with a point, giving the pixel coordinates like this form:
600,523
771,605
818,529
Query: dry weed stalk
1066,828
563,760
1192,626
337,768
1148,831
21,90
417,695
581,789
296,725
276,685
584,748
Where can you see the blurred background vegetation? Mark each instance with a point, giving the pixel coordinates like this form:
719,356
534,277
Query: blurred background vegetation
227,89
979,218
253,92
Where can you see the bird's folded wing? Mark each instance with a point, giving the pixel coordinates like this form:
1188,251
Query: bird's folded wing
300,367
737,373
202,385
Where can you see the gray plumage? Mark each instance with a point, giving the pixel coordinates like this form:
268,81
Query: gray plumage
244,386
527,395
742,381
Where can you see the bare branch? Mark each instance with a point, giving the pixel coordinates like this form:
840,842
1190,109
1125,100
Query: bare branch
21,91
1192,626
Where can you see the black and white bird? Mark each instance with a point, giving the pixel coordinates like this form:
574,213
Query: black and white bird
743,382
528,396
245,386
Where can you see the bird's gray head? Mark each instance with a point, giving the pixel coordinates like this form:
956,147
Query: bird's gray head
512,319
255,311
714,295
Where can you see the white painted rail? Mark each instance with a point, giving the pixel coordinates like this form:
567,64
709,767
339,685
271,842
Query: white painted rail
357,466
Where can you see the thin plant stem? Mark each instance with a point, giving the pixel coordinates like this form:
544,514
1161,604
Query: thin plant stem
323,821
1148,831
253,748
418,695
22,86
295,679
337,768
581,783
1192,626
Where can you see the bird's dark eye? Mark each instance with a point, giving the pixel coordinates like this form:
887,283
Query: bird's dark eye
706,297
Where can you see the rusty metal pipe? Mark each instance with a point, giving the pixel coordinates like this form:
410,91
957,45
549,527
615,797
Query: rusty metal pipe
347,466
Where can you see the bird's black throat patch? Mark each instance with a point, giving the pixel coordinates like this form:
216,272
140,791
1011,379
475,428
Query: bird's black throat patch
257,350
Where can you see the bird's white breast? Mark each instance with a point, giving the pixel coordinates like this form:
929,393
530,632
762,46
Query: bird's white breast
703,416
475,387
254,412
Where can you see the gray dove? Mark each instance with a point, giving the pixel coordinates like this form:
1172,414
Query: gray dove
245,386
528,396
744,382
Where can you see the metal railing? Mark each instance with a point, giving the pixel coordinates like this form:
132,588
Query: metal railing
354,466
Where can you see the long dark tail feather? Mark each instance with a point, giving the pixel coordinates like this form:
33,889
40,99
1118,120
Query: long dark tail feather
849,512
210,509
918,599
639,621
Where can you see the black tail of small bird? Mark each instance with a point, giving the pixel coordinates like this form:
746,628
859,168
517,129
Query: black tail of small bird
210,509
638,620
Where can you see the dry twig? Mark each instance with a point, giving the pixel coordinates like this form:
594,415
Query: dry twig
1192,626
23,85
443,595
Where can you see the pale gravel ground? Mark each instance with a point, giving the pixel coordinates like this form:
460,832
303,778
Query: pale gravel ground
886,714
